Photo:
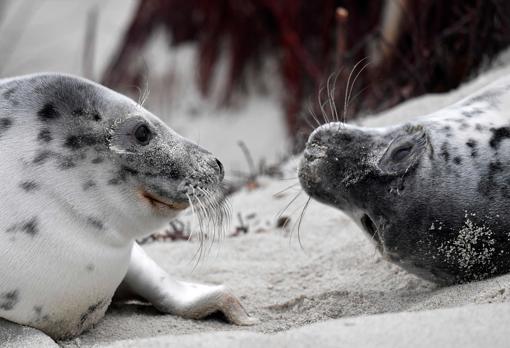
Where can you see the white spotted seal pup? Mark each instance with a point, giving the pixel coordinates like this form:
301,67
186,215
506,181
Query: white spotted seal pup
433,194
85,171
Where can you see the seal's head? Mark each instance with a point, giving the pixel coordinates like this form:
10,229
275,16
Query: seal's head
421,191
104,155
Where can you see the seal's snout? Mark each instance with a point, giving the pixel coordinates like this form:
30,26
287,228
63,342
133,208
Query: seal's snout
335,153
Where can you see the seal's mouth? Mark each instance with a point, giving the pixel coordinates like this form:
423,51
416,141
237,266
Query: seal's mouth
159,203
370,227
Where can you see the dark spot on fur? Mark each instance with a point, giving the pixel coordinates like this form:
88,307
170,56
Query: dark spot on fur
88,185
30,227
478,127
76,142
457,160
66,163
39,317
9,93
472,113
463,126
491,97
129,171
29,186
471,143
48,112
8,300
114,181
97,160
81,112
5,124
38,310
487,184
498,135
97,224
444,152
78,112
42,157
45,136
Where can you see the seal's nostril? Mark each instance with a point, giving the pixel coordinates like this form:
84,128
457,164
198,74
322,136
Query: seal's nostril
220,168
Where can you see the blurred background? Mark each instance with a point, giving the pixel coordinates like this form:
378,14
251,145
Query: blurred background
223,72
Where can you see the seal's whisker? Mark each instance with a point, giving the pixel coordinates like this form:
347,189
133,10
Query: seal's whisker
321,106
201,216
323,110
310,124
313,114
280,213
210,216
217,210
352,86
300,221
347,88
284,179
331,94
144,94
358,94
198,253
205,216
215,213
329,99
298,208
285,189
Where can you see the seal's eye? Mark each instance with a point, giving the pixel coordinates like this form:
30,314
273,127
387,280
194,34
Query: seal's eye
401,152
143,134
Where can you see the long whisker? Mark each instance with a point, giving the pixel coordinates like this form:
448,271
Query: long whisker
289,204
352,86
198,253
207,216
359,93
301,220
285,189
321,105
328,97
310,124
313,114
348,87
215,215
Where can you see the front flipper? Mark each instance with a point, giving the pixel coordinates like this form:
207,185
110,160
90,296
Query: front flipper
149,281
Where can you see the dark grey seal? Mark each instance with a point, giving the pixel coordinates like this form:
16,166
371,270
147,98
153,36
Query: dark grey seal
432,194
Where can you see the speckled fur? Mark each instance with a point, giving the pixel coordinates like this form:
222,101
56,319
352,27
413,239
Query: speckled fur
71,206
439,208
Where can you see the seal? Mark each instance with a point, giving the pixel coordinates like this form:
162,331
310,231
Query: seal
433,194
85,171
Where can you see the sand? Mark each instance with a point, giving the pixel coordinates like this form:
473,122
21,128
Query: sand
337,274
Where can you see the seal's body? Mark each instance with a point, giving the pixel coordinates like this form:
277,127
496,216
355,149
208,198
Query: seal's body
433,194
85,171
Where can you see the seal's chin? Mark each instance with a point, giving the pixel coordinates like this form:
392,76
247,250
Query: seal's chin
161,204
